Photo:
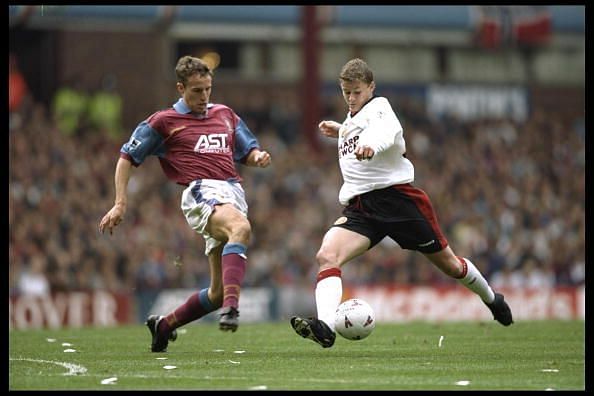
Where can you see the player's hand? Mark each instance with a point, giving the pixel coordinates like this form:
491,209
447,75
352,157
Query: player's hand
364,153
262,159
329,128
114,217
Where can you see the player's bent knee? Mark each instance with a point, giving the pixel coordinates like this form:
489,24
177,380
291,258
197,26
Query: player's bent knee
326,258
241,231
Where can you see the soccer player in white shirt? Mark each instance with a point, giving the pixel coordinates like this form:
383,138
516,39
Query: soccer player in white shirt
379,201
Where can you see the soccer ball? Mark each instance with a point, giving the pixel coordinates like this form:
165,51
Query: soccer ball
354,319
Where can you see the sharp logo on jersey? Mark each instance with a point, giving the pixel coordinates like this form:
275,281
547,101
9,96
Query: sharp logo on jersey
348,146
213,143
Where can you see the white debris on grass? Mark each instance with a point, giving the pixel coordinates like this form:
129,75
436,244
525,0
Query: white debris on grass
440,341
169,367
161,358
51,339
66,344
258,387
218,350
73,369
109,381
463,383
69,350
238,351
550,370
233,362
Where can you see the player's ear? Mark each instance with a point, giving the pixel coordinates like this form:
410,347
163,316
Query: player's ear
372,86
180,88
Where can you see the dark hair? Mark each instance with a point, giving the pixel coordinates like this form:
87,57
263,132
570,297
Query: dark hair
188,66
356,69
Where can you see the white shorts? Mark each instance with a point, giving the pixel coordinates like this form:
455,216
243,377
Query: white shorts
199,199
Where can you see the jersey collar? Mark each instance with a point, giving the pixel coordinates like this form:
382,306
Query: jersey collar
365,104
181,107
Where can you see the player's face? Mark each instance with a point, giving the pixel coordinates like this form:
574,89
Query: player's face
196,92
356,93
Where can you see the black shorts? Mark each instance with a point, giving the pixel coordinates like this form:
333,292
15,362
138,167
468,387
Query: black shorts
402,212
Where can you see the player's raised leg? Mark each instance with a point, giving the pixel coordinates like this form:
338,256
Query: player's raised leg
467,274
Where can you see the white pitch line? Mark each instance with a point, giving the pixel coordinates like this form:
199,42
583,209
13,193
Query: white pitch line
73,369
170,375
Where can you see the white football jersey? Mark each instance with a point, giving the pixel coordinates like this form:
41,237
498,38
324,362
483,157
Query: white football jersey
376,126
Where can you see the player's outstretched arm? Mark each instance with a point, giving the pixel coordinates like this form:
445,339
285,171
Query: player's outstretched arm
116,214
258,158
329,128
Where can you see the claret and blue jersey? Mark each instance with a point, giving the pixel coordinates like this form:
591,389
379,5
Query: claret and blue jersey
191,147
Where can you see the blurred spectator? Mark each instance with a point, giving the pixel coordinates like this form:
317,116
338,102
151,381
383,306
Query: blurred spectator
535,275
69,108
17,86
18,92
33,281
578,272
151,278
105,109
507,278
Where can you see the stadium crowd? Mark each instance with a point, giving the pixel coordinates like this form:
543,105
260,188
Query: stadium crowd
510,195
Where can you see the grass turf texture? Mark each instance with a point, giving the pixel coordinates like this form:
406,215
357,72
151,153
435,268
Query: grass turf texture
531,355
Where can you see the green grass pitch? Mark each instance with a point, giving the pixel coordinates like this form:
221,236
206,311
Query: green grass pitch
530,355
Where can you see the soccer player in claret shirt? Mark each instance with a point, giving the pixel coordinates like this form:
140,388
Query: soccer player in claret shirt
379,201
198,143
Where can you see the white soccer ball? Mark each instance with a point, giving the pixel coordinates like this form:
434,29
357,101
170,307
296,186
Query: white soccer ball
354,319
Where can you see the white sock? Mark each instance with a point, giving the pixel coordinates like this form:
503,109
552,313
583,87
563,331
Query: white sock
328,295
475,281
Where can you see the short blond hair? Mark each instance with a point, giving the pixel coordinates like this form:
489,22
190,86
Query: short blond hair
356,70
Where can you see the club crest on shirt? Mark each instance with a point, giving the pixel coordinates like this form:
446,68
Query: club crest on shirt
176,130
